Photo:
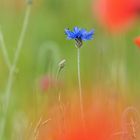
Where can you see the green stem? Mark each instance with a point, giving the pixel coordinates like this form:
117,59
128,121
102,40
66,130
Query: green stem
4,51
12,72
79,82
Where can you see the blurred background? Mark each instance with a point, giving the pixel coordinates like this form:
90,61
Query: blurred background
110,67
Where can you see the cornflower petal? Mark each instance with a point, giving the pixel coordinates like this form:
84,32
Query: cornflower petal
79,35
70,34
88,35
76,29
83,31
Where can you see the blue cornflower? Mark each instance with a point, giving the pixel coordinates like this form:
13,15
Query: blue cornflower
79,35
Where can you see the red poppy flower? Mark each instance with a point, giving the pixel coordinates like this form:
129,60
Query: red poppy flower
137,41
117,14
67,125
47,82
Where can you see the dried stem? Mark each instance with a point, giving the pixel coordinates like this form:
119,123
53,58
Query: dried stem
130,126
38,126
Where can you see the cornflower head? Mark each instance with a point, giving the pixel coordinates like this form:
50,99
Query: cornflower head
79,35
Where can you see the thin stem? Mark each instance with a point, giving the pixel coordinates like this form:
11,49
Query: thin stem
61,107
22,36
4,51
79,82
57,76
12,71
58,72
61,66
